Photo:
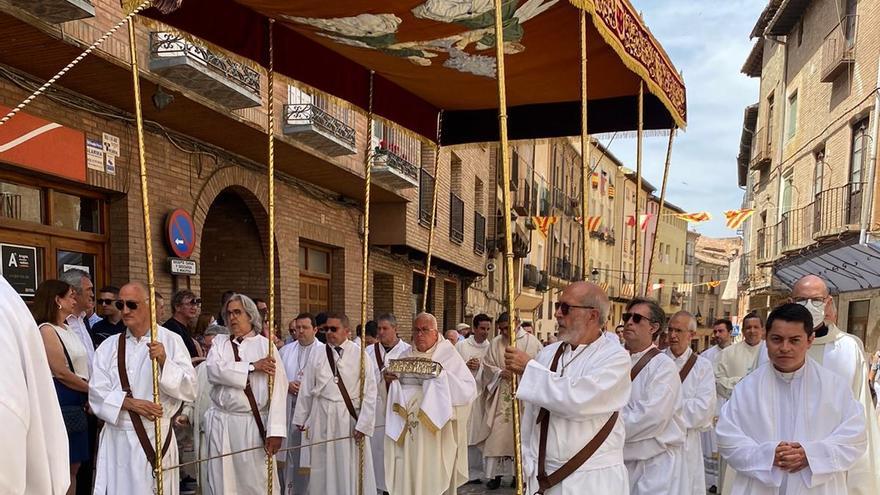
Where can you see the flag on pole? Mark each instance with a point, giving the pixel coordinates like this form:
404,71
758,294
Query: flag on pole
735,218
713,283
611,191
544,223
700,216
593,223
643,221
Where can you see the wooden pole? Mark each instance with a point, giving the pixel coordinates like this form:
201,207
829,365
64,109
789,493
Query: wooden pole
585,149
270,131
662,202
636,213
432,228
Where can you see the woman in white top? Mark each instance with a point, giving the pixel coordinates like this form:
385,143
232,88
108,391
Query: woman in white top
53,303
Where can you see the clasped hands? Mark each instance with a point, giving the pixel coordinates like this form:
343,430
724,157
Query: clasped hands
790,457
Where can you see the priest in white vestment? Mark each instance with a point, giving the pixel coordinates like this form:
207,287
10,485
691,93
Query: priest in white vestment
426,424
791,426
697,398
238,367
29,410
389,347
844,354
589,385
122,465
721,335
498,448
295,357
655,432
322,412
472,350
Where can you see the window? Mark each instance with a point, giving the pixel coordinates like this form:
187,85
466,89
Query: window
800,32
314,259
426,198
858,156
770,108
76,213
792,115
785,191
21,202
819,172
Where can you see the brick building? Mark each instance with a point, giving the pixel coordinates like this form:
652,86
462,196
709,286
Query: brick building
807,157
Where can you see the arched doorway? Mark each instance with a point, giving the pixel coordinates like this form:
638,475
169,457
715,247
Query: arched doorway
233,248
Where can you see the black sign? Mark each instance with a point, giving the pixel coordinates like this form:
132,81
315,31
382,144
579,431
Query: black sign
19,268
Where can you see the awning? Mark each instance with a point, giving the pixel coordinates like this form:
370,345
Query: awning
433,55
845,267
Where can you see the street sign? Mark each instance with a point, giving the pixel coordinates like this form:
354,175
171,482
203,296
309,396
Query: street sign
19,268
183,267
180,233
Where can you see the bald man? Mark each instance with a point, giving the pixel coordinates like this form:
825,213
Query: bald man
426,422
843,354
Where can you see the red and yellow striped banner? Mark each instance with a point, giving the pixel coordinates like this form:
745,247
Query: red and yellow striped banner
735,218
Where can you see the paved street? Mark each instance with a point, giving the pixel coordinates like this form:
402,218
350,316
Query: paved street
481,489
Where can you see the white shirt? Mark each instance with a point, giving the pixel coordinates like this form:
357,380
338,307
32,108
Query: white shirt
77,324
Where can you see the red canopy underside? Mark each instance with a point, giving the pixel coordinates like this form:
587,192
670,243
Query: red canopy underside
438,55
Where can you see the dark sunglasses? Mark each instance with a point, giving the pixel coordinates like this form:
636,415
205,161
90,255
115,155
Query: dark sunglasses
636,318
332,329
105,302
132,305
195,302
565,307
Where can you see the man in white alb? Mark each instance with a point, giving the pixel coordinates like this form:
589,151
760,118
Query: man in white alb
721,331
844,354
572,394
697,398
655,432
472,350
791,426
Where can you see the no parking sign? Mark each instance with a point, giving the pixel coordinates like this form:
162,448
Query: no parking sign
180,233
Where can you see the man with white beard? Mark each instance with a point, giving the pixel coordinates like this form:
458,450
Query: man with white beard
721,336
697,396
498,448
244,412
330,406
426,423
382,352
655,433
295,357
791,426
573,435
126,453
472,350
844,354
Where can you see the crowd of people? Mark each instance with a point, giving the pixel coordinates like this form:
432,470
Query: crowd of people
786,410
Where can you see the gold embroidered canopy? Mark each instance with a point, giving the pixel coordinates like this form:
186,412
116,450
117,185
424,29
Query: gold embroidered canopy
439,55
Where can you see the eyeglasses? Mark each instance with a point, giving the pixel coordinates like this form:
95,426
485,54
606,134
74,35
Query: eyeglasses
105,302
194,302
332,329
132,305
235,312
636,318
565,307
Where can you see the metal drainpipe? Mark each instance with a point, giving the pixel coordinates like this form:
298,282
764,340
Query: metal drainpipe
868,206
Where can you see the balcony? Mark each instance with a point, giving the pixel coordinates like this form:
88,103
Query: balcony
796,228
559,199
766,244
838,210
838,49
213,76
456,219
562,268
531,276
56,11
396,157
479,233
522,203
318,128
760,149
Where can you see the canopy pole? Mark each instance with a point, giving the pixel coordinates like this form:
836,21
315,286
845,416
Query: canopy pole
431,230
368,167
270,130
148,245
662,202
636,212
508,236
585,148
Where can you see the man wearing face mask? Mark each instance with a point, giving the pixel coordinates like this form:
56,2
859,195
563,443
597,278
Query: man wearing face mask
844,354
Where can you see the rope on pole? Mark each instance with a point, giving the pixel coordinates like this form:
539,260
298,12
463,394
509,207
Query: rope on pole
508,235
270,131
433,226
636,211
585,147
148,236
145,4
662,202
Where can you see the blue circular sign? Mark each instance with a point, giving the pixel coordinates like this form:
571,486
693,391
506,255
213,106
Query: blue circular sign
180,233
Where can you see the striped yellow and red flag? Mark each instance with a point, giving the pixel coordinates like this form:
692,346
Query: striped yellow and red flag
713,283
611,191
544,223
593,223
735,218
700,216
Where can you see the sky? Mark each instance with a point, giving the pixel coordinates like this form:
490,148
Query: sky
708,42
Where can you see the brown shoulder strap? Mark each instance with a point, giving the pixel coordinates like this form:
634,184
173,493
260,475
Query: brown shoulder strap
545,481
688,366
139,430
249,392
379,360
640,365
340,383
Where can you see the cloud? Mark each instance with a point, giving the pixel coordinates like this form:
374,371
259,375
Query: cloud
708,42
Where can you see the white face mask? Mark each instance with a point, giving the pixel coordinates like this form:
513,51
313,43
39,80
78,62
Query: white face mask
816,309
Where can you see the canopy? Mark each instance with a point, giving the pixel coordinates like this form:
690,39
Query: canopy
438,55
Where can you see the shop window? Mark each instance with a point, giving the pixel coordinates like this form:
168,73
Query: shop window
21,202
76,213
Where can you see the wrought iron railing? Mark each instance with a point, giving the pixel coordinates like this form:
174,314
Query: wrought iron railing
559,199
309,113
837,209
384,156
523,198
165,44
796,228
479,233
838,49
766,243
562,268
426,198
456,218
